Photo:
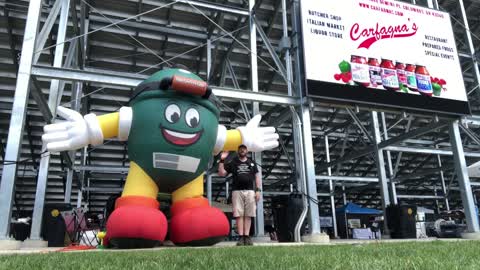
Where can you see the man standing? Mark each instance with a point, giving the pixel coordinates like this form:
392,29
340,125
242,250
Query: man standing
246,190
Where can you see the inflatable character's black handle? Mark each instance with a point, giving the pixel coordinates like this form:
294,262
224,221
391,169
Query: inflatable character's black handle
186,85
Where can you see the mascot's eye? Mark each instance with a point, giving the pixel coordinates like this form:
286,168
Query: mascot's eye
172,113
192,117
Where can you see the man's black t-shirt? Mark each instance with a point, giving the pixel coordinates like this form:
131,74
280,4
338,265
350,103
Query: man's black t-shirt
243,173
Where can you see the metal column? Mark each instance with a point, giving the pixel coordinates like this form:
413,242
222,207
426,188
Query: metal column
332,191
52,104
82,177
297,132
463,179
227,189
314,218
259,220
382,176
68,186
444,187
209,188
470,45
209,57
17,120
306,142
393,190
288,57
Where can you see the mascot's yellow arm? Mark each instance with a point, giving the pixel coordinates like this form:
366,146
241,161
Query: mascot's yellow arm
109,124
233,141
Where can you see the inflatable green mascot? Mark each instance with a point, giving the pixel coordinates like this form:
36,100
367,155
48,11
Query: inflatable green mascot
172,128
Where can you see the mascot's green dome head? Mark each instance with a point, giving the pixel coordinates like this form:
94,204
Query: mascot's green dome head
176,83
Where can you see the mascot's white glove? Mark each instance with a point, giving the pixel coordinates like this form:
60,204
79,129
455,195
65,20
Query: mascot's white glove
256,138
74,133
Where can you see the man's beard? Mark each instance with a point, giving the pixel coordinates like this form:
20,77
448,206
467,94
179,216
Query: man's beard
242,155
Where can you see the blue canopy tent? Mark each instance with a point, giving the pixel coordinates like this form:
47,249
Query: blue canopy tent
352,208
353,212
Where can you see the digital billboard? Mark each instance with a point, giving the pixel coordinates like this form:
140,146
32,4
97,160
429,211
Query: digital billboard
387,53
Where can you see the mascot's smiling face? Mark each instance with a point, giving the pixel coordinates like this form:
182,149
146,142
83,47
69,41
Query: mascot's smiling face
182,127
181,124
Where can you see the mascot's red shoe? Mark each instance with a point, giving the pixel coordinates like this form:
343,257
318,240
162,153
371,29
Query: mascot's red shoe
136,222
195,223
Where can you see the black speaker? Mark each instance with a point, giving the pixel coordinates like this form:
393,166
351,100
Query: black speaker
286,212
401,221
54,228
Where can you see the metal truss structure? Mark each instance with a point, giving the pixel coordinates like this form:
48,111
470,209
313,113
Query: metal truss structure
90,54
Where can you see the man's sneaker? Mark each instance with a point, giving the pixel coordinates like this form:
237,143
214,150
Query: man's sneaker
248,241
241,241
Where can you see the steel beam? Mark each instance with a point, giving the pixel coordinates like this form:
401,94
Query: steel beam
77,30
219,18
53,100
347,178
55,86
303,128
471,46
399,156
337,127
132,80
385,144
271,50
103,189
209,188
288,57
278,155
35,88
423,150
105,169
419,197
410,176
68,186
359,124
284,117
463,179
237,86
380,162
207,5
414,133
47,28
393,192
209,58
314,219
470,134
442,179
223,63
331,189
17,120
259,220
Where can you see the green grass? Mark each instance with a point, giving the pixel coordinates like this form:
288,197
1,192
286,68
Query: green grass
430,255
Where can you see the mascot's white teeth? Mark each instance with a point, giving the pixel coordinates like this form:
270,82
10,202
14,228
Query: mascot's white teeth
180,135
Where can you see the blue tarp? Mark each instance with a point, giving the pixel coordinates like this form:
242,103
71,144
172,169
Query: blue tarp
352,208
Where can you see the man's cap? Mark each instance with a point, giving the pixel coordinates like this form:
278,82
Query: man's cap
242,145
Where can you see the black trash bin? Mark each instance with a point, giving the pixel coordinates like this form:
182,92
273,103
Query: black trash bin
53,225
286,212
401,221
20,230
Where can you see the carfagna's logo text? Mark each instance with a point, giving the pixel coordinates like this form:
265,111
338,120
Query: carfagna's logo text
369,35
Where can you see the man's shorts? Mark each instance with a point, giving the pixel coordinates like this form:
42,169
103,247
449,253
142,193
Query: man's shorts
244,204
